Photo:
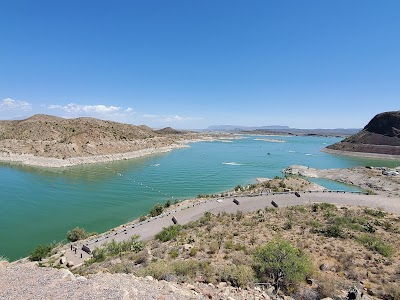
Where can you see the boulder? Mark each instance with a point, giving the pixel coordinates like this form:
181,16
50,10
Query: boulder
63,260
70,264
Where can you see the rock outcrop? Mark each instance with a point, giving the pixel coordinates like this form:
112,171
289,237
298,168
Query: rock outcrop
380,136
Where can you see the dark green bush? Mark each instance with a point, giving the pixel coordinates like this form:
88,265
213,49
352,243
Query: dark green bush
40,252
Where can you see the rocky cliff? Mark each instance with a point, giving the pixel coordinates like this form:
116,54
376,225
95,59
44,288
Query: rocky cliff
380,136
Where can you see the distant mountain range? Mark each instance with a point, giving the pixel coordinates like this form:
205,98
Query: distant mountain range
380,136
279,129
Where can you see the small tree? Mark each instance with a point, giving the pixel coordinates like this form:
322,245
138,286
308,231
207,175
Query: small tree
77,234
283,263
156,210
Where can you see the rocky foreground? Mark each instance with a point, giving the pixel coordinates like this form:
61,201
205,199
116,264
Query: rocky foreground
28,281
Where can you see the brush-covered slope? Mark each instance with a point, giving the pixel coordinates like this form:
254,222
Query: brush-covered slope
381,136
50,136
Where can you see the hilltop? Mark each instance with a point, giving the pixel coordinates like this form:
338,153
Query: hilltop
381,136
53,137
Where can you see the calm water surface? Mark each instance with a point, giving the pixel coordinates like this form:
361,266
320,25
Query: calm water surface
39,205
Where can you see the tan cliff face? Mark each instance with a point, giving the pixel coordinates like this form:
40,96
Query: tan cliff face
49,136
381,136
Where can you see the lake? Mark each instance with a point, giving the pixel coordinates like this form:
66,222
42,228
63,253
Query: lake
40,205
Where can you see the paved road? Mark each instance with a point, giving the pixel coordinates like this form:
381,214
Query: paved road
246,204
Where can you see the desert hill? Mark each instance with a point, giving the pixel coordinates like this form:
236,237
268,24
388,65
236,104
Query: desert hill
380,136
50,136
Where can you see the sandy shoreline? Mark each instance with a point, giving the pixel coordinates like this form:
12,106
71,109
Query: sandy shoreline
361,154
51,162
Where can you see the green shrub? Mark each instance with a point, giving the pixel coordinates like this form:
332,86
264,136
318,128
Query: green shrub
114,248
41,251
77,234
3,258
142,218
238,276
281,263
156,210
168,233
167,203
374,243
186,268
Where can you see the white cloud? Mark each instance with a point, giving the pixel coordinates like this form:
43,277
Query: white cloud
11,104
87,109
115,113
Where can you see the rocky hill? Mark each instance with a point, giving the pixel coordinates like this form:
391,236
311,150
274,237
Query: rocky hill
380,136
49,136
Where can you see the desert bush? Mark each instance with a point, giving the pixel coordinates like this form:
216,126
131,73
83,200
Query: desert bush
41,251
156,210
392,292
282,263
375,213
214,247
159,270
326,287
186,268
141,257
168,233
374,243
333,230
77,234
238,276
193,251
173,253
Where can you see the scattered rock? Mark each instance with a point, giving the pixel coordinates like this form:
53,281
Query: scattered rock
222,285
324,267
150,278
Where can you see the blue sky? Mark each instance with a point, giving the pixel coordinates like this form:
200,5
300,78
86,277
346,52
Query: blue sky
191,64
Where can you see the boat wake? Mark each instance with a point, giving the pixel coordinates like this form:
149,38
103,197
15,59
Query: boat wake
232,163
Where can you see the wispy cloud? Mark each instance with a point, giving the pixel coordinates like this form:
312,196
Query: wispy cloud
11,104
170,118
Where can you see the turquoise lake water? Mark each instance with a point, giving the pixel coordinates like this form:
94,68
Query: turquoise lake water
39,205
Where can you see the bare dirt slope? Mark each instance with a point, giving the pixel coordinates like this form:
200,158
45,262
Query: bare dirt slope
49,136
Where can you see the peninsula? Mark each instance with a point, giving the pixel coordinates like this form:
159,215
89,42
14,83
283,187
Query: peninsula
50,141
379,138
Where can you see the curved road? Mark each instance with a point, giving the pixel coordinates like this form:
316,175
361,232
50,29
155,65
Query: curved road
246,204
